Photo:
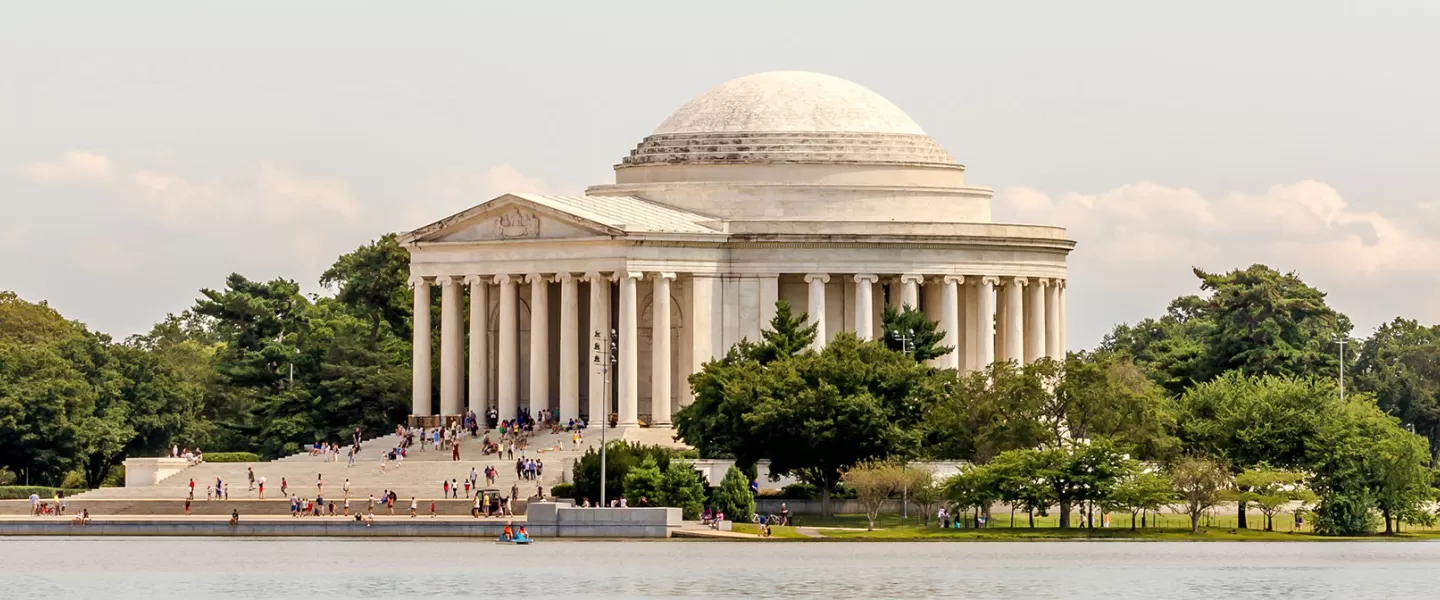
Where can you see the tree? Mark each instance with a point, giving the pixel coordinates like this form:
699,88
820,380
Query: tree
971,488
621,457
909,331
1011,481
874,481
1245,420
921,487
1268,323
373,279
979,415
1400,366
1270,490
1140,490
1365,462
789,334
643,483
733,497
1200,484
682,487
1070,475
1099,394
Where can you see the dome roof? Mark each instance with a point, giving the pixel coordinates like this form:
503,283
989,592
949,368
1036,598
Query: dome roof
789,101
789,117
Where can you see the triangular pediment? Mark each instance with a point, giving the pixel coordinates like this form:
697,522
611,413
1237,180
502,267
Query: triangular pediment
510,217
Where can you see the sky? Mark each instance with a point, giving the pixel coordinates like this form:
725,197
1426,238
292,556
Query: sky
148,149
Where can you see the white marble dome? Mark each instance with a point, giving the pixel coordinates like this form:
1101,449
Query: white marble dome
790,101
789,118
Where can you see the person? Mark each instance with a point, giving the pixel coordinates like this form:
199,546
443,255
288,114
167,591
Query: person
515,490
347,506
227,491
445,489
209,493
540,491
524,535
943,518
346,488
370,517
84,518
466,483
475,510
509,533
250,475
784,514
413,506
192,487
351,460
235,517
319,483
284,487
261,483
187,507
432,509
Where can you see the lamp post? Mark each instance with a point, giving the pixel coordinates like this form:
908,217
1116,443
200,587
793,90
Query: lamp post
906,339
603,344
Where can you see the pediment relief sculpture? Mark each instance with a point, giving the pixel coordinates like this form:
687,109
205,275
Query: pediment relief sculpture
516,223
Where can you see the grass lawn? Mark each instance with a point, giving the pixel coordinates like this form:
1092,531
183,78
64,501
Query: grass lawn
775,532
1170,527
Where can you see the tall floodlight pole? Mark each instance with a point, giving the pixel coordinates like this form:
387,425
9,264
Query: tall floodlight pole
907,345
604,355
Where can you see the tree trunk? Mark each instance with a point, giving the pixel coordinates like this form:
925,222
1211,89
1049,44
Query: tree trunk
1386,514
825,501
1240,516
1194,522
1012,516
1064,514
1144,516
1132,520
1032,518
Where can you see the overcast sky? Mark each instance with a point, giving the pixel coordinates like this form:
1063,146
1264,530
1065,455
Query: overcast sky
147,149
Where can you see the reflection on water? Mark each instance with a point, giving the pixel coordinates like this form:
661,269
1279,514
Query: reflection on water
154,568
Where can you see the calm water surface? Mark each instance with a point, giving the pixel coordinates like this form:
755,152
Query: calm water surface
154,568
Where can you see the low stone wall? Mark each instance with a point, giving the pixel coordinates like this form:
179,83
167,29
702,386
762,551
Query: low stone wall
545,520
141,472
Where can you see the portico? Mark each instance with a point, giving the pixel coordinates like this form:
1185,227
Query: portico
840,213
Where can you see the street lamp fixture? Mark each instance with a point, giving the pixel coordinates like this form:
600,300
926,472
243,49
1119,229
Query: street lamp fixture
603,356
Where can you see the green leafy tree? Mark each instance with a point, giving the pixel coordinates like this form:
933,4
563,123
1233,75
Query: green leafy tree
681,486
1270,490
733,497
643,482
874,481
1366,463
972,488
911,332
1069,475
922,489
373,280
1400,366
1200,484
1268,323
1101,395
979,415
789,334
1140,490
1010,480
621,458
1245,420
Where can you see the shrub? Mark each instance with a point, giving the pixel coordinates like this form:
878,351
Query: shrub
22,492
231,457
682,486
733,496
563,490
644,482
621,457
797,491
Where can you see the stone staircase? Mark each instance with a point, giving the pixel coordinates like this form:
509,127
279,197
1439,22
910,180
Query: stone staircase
421,474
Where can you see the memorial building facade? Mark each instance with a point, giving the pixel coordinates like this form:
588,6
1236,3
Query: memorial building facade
787,186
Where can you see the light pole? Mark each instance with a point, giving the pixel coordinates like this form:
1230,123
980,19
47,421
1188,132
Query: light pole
603,344
906,339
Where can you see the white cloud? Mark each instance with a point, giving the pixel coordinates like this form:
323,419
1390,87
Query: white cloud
71,166
1137,242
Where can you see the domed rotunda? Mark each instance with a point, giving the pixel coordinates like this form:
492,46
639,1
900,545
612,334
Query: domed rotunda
785,185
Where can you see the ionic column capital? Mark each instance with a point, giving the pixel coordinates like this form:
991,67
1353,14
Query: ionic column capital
1020,281
955,279
821,277
418,280
1042,282
658,275
445,280
536,278
623,275
1060,283
474,280
565,277
990,280
505,279
866,278
912,278
593,276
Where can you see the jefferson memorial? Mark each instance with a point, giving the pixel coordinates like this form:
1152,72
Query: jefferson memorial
777,186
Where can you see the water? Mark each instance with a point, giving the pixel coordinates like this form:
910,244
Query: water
157,568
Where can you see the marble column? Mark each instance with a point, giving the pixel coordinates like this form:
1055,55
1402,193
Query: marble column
865,305
817,283
1035,333
769,295
950,319
479,369
539,342
569,347
973,323
420,356
629,368
507,363
660,349
985,323
1052,320
705,327
599,351
910,291
1064,347
451,365
1015,320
